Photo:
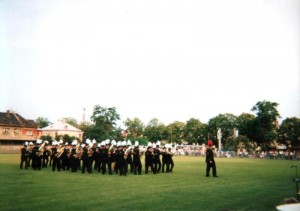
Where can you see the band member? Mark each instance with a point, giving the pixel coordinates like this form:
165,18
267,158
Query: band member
74,157
164,160
51,154
120,159
104,157
112,156
100,157
108,158
65,163
56,160
129,157
37,156
137,165
30,154
24,156
156,160
210,161
149,159
46,155
86,159
170,162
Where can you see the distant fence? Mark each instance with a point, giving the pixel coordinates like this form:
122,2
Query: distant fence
10,148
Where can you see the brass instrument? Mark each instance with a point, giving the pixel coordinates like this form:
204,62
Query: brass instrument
41,150
90,151
60,151
126,152
78,151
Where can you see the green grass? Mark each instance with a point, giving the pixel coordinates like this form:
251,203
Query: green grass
243,184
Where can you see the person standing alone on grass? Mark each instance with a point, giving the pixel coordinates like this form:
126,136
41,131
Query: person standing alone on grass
210,161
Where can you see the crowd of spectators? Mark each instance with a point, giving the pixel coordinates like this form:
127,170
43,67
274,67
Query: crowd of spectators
270,154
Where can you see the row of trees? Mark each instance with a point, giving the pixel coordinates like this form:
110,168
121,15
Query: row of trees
258,129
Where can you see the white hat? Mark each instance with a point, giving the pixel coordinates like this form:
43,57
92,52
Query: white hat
129,143
30,143
149,144
94,141
113,142
153,145
123,143
61,141
87,141
74,143
66,143
107,141
102,143
158,143
26,143
119,143
38,141
136,143
91,144
99,145
82,145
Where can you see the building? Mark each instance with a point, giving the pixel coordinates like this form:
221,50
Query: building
60,128
15,130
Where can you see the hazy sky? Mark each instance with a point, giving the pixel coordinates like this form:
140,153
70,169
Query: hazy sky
171,60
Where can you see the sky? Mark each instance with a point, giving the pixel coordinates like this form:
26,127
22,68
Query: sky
166,59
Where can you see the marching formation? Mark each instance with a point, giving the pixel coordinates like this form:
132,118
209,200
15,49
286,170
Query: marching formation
107,157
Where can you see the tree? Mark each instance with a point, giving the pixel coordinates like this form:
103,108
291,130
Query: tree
265,123
135,127
244,124
227,123
104,126
176,131
194,131
154,130
47,138
289,132
71,121
42,122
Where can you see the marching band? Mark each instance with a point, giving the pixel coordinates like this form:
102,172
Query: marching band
106,157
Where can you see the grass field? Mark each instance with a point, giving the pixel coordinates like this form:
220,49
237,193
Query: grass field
243,184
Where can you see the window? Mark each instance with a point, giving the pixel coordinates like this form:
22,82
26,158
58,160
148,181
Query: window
16,131
5,131
29,133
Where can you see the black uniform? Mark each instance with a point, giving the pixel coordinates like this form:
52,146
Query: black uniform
36,158
170,162
86,161
129,161
210,162
46,155
121,162
164,162
156,161
148,161
56,160
137,165
24,157
73,160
